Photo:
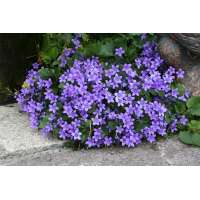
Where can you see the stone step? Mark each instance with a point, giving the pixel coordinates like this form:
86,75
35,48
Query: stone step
16,136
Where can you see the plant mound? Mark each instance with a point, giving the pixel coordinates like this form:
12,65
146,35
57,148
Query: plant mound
120,95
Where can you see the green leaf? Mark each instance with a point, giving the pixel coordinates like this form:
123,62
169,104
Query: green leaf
87,124
84,137
49,54
69,144
61,85
186,137
85,37
45,73
105,130
53,53
181,88
85,129
44,121
196,139
193,102
194,111
55,133
168,117
90,49
102,49
112,125
56,62
106,50
142,123
180,107
194,125
67,38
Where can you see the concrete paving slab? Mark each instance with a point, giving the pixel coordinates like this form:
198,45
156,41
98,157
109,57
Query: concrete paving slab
164,153
16,136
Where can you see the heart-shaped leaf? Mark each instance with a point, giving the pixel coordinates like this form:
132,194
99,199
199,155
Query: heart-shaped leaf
194,124
194,101
196,139
185,137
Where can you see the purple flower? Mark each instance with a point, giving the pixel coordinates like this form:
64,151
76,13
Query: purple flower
69,111
96,120
120,97
35,65
108,141
76,134
180,74
143,36
47,129
90,143
173,126
119,52
53,108
76,43
183,120
151,138
175,93
138,62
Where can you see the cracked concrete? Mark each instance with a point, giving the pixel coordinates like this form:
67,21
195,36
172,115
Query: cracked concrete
20,145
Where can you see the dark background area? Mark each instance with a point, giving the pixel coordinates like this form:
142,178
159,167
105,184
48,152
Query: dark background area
17,52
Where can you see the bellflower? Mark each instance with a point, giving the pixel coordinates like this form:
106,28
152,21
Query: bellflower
100,103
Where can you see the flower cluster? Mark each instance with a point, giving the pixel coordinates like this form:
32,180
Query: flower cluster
100,104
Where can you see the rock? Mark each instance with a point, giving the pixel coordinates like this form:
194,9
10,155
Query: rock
170,51
177,54
190,41
192,78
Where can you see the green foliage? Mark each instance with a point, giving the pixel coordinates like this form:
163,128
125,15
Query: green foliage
189,138
180,107
101,45
196,139
49,54
193,102
52,45
191,135
86,129
99,49
194,125
142,123
193,105
44,121
185,137
181,88
46,73
194,111
112,125
104,45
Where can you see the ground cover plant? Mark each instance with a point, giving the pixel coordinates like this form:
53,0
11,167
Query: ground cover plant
96,90
191,133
